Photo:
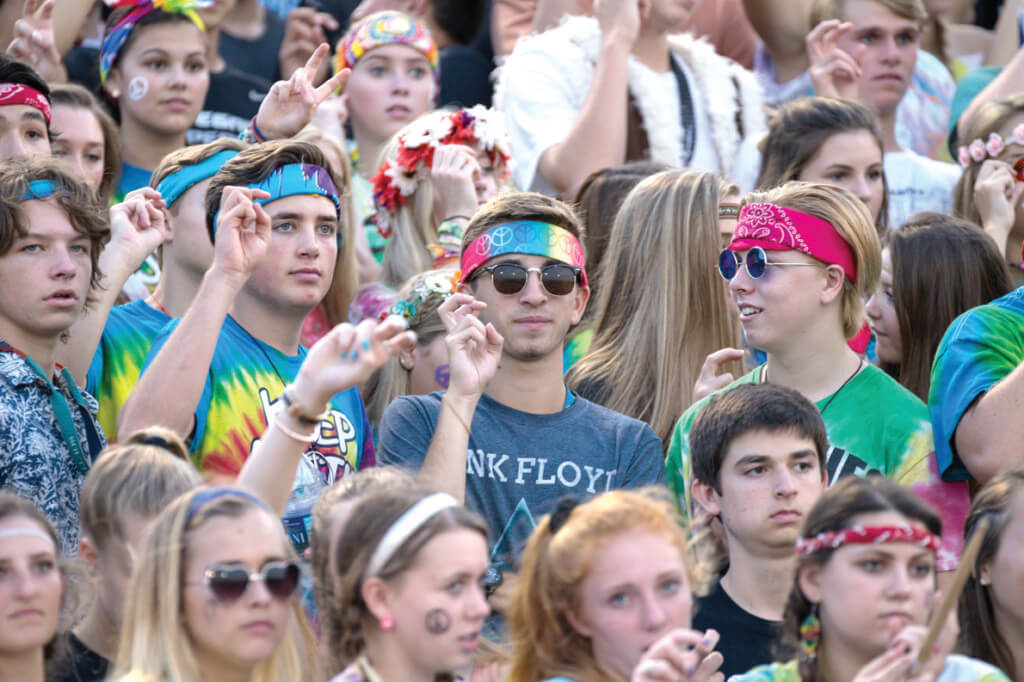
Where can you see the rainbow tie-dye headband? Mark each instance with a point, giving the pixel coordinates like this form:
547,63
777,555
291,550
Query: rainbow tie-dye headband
528,237
387,28
118,35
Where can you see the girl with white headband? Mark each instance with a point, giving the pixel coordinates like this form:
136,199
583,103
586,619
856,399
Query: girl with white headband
865,585
409,567
33,585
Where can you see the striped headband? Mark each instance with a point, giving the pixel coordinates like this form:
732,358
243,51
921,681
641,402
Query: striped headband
530,237
118,34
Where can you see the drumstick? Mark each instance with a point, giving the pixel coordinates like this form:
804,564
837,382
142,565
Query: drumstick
956,586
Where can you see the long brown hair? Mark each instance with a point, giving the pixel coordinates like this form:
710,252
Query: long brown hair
75,96
927,299
979,636
663,300
798,130
837,509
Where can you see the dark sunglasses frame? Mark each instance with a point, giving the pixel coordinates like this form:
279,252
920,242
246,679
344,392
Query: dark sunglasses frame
229,583
501,284
756,263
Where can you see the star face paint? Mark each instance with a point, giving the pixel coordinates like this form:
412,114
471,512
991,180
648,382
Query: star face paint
137,88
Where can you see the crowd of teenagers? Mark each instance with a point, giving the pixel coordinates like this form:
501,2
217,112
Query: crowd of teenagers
282,400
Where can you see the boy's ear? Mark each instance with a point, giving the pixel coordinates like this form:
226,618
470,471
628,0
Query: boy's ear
706,496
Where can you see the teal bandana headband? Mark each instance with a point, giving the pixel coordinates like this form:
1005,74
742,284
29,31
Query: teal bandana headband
175,184
40,189
295,179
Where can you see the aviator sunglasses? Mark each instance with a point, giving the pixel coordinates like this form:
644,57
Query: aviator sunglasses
510,278
229,583
757,263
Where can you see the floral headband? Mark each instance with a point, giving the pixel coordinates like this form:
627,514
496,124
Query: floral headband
396,180
432,285
977,151
867,535
118,34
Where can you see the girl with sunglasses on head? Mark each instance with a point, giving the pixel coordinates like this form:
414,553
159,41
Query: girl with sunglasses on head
409,567
991,608
990,190
585,610
213,597
917,299
664,242
800,264
864,590
34,585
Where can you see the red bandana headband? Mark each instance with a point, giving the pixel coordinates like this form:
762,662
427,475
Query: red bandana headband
867,535
16,93
775,228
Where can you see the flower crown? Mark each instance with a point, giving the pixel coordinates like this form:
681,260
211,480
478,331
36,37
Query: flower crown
396,180
439,283
979,150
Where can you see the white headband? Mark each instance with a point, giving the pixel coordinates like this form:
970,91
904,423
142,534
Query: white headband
407,524
13,532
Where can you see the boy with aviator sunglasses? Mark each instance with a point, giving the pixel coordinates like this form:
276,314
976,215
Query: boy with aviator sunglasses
508,437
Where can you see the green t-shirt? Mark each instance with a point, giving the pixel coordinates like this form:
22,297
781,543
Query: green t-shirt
875,426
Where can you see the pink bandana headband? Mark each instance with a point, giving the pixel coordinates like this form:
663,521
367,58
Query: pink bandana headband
396,180
527,237
867,535
775,228
979,150
16,93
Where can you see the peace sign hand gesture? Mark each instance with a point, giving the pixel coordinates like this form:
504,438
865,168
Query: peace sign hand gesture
290,104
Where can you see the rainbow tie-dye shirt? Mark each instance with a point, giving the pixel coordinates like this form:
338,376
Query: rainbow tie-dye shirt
874,426
116,366
243,387
979,350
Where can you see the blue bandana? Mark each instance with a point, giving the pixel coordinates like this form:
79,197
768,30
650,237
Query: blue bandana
40,189
208,495
176,184
294,179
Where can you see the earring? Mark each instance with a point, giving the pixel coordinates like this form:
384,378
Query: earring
387,623
810,634
407,366
115,93
985,582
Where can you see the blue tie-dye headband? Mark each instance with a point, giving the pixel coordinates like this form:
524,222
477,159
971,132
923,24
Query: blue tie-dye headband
295,179
175,184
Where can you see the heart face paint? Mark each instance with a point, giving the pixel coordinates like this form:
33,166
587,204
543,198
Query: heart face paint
137,88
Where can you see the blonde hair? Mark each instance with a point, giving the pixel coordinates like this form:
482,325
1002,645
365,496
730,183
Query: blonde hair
554,565
346,272
154,646
138,477
914,10
392,380
851,220
990,118
660,280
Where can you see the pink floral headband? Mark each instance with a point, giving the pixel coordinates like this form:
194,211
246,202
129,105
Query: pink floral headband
396,181
978,150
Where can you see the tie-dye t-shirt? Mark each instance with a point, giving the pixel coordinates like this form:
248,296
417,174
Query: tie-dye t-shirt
979,350
875,426
143,281
117,364
957,669
243,387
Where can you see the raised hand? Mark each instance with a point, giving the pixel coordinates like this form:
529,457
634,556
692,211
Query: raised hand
243,233
712,378
304,29
681,655
996,194
474,349
621,19
290,104
33,41
138,226
347,355
454,174
834,72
